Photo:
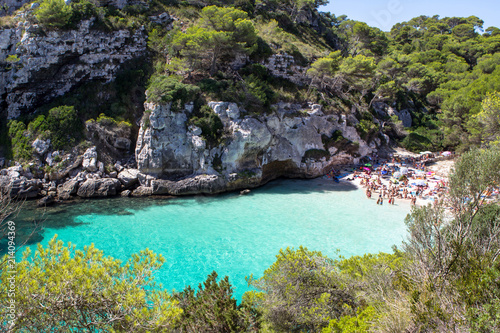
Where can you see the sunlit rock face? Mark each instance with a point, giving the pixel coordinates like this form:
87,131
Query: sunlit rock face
288,141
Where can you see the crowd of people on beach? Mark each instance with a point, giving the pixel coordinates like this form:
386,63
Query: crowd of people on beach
399,178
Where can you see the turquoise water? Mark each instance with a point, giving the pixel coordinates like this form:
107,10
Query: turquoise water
235,235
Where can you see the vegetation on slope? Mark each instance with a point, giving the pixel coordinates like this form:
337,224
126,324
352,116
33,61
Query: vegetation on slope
440,70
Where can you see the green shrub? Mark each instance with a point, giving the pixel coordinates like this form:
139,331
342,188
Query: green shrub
54,13
212,308
366,129
164,89
106,121
12,59
259,89
210,124
64,126
20,141
416,142
38,125
301,292
360,323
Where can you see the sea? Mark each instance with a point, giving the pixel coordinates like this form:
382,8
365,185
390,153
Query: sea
233,234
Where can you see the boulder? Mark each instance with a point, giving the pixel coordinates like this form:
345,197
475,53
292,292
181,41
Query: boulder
125,193
64,191
58,175
128,177
145,180
90,159
142,191
46,200
23,188
41,146
403,115
118,167
99,188
122,143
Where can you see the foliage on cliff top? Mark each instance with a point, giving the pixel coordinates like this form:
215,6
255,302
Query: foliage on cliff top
165,89
440,69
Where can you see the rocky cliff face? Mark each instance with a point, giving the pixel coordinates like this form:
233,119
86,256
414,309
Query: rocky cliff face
290,141
46,64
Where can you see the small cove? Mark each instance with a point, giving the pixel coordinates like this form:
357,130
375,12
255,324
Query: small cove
235,235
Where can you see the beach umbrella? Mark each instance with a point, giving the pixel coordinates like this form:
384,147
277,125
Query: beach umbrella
397,174
446,153
403,170
425,152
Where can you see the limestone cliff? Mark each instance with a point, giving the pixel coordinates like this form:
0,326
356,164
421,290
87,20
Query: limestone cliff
51,63
289,141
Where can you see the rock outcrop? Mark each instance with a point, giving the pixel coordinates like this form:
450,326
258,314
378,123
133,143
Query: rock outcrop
51,63
128,177
64,191
291,142
99,188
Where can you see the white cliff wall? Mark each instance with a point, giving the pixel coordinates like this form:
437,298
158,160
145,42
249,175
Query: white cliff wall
267,146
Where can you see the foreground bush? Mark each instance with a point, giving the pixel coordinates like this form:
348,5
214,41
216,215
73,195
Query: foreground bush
301,292
63,289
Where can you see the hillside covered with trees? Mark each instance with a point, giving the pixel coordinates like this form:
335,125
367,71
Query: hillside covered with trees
438,75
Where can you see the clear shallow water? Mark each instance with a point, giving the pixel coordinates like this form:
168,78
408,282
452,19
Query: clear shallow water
231,234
